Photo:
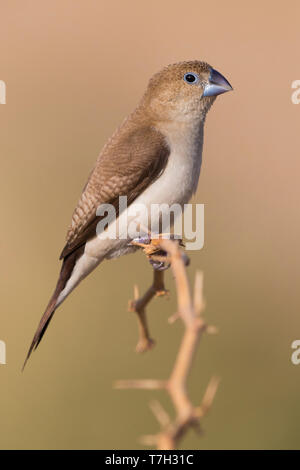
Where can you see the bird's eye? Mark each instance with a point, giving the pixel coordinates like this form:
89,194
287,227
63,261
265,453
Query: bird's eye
191,78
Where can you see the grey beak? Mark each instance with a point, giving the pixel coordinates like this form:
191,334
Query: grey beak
217,84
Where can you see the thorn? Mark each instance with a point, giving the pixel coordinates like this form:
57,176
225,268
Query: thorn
147,384
208,398
150,440
163,293
172,319
160,413
212,330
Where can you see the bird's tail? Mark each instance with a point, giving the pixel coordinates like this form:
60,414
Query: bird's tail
65,274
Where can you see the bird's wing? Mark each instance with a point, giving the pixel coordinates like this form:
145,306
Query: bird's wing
126,167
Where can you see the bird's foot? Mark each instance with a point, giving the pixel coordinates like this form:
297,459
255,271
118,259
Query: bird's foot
151,246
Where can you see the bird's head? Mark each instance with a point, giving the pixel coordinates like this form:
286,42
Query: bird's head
184,91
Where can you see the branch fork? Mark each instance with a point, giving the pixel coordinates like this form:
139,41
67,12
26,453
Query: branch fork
190,309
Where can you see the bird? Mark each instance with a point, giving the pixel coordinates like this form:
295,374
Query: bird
154,157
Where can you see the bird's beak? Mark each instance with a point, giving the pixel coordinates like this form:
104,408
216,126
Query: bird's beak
216,85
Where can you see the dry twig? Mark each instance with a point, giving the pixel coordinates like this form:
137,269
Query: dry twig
139,304
190,311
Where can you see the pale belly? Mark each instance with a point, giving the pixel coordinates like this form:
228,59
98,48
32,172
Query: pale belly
175,186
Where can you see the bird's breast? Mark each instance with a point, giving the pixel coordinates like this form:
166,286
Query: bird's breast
180,178
175,185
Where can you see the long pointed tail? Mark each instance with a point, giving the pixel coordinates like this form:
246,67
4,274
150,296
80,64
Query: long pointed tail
65,274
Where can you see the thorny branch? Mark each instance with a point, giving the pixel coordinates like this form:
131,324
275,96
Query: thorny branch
190,310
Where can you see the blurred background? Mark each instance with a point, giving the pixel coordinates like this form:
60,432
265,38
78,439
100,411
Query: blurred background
73,71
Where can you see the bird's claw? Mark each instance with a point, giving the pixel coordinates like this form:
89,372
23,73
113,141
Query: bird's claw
158,258
158,265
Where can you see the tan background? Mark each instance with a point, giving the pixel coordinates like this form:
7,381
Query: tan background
73,70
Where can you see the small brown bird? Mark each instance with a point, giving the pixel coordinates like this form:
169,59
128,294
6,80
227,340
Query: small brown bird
153,158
